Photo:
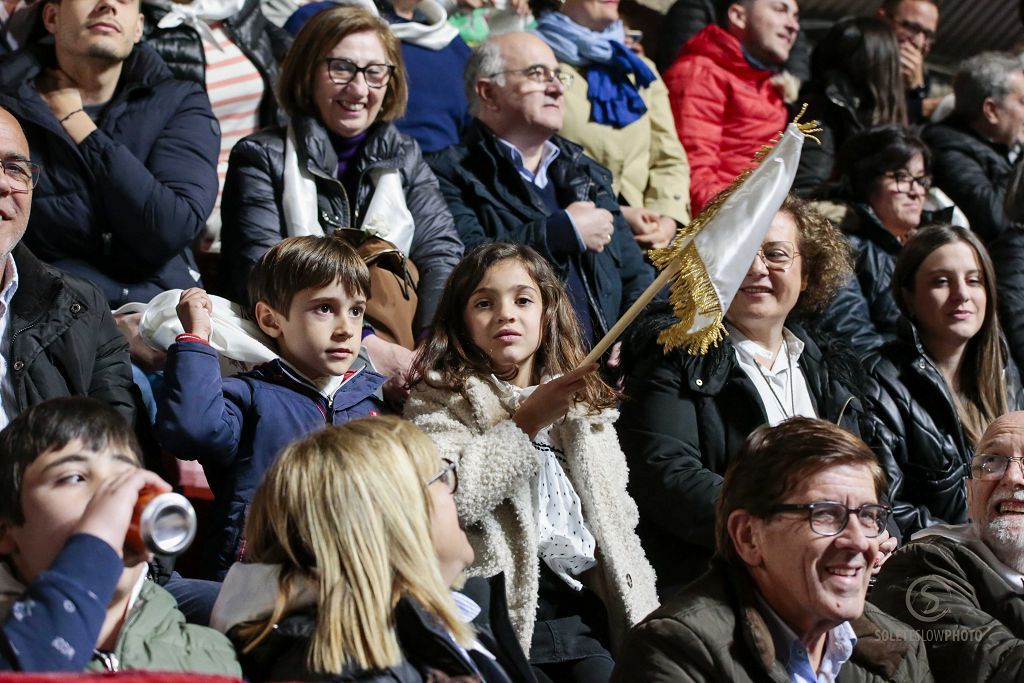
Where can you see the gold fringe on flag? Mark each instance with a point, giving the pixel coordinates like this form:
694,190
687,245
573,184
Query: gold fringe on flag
692,292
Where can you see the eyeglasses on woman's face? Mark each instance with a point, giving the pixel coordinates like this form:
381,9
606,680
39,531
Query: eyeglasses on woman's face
342,71
448,475
778,255
904,181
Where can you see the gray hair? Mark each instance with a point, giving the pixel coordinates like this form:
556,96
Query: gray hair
982,76
485,60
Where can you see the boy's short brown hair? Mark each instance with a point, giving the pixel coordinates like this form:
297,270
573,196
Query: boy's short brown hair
298,263
49,426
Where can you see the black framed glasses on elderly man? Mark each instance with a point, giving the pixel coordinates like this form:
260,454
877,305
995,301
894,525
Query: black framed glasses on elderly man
342,71
989,466
539,73
829,518
23,175
449,475
778,255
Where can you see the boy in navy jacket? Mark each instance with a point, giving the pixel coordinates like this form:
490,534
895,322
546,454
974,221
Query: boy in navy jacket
310,294
72,596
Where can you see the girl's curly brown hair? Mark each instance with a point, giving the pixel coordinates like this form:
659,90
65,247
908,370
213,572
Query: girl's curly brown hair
827,257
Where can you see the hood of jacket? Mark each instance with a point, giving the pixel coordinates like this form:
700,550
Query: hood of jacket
718,45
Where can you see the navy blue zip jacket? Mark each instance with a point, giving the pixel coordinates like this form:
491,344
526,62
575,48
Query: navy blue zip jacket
236,427
121,208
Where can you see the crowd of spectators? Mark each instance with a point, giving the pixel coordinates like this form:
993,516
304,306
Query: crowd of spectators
422,233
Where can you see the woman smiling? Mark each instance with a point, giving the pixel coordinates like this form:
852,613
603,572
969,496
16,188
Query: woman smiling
686,416
945,377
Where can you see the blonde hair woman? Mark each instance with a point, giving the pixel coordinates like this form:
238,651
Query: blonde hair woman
341,572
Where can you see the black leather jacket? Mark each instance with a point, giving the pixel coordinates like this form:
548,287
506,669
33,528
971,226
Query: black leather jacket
923,437
683,420
834,105
263,43
254,221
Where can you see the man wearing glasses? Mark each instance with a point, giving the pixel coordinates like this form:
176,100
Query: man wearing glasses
513,178
57,337
963,585
800,532
915,23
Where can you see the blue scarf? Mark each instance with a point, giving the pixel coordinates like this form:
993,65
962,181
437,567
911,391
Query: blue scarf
614,100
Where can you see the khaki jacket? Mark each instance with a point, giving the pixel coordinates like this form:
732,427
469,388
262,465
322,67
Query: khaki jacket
647,161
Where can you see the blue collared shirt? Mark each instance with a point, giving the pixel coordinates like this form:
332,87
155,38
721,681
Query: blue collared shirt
540,178
793,656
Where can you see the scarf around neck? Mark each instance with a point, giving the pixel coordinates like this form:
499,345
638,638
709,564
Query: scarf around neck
614,100
198,15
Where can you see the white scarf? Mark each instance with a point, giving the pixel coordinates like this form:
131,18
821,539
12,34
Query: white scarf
387,216
197,15
249,592
436,34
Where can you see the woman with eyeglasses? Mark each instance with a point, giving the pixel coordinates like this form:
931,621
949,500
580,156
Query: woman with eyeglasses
353,545
617,108
685,417
341,163
884,176
944,378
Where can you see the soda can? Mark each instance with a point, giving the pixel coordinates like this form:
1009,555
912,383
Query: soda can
163,523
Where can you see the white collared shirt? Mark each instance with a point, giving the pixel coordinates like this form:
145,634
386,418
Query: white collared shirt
8,287
783,388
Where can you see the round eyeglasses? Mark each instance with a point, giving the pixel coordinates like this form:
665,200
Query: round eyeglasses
829,518
449,475
23,175
778,255
989,466
342,71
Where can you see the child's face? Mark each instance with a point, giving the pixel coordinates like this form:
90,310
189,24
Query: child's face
55,490
503,317
323,330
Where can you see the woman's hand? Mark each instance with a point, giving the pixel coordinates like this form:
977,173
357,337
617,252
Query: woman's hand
551,401
886,548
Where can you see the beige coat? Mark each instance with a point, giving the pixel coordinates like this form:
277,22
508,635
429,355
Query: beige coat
646,159
497,467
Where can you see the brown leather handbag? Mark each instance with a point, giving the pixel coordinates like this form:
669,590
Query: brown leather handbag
391,307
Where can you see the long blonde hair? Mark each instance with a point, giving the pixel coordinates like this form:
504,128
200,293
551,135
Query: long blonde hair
347,510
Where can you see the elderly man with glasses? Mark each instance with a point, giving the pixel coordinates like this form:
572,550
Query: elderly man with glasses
800,532
963,586
513,178
57,337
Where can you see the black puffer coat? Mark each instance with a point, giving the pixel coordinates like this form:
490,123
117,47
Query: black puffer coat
683,420
973,172
254,220
263,43
923,435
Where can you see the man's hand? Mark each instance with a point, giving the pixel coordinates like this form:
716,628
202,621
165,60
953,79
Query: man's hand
195,312
912,65
142,354
594,225
650,230
109,512
60,93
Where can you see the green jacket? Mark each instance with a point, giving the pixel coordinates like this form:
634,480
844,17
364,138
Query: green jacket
156,637
712,631
967,604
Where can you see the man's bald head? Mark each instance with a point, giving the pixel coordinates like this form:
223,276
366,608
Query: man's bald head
996,504
15,194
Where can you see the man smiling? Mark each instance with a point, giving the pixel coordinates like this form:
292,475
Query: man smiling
785,598
964,584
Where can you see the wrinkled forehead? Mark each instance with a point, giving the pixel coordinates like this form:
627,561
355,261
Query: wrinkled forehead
1005,436
523,50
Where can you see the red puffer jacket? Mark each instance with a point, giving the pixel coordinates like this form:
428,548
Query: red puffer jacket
724,107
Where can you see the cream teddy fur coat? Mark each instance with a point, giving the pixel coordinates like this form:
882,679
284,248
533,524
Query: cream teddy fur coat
497,468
